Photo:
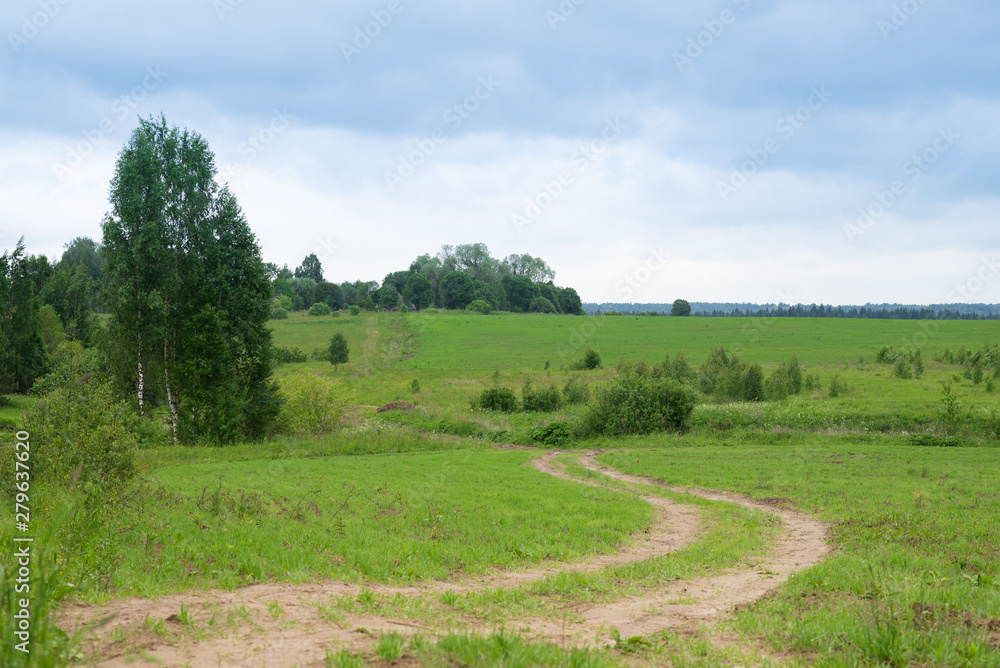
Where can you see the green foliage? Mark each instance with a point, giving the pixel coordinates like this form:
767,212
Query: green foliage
576,391
837,387
729,377
902,368
639,404
680,308
612,313
291,355
950,413
520,291
51,328
80,431
591,360
23,357
554,433
310,268
479,306
339,352
314,404
544,400
187,291
278,313
320,308
456,290
785,381
355,309
330,294
500,399
541,305
489,293
415,386
418,291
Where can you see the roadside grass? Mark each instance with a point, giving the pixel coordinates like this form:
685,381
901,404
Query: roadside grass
913,579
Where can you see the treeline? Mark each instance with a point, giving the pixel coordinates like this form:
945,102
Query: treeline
874,312
454,278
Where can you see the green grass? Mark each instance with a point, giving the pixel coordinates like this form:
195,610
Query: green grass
913,579
13,409
222,518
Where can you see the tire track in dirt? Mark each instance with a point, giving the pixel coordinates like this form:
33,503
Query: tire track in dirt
298,635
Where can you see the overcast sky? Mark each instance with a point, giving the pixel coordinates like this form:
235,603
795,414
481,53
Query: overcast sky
735,150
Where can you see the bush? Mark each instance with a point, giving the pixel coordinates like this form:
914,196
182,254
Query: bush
902,369
591,360
837,387
727,376
500,399
543,401
79,429
554,433
575,391
355,309
541,305
338,351
479,306
281,355
635,404
320,308
278,313
314,404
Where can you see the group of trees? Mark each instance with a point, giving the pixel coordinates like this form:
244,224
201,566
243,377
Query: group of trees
452,279
43,304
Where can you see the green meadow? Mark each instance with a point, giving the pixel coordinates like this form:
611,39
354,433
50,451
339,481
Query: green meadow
424,496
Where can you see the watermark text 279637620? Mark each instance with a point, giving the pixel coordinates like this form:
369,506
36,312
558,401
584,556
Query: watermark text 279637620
22,553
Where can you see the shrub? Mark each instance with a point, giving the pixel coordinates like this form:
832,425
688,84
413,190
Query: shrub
320,308
338,351
785,381
543,401
79,429
279,313
314,404
591,360
554,433
293,355
727,376
837,387
500,399
355,309
541,305
479,306
635,404
415,386
902,368
576,391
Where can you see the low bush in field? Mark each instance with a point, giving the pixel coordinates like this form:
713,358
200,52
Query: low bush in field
554,433
479,306
575,391
543,401
500,399
639,404
279,313
80,431
591,360
320,308
292,355
314,404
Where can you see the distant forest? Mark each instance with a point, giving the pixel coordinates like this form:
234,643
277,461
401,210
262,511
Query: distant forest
871,311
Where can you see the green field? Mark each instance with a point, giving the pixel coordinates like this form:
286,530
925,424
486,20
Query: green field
400,536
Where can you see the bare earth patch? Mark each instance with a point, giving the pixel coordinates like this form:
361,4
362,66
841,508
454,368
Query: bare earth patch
286,624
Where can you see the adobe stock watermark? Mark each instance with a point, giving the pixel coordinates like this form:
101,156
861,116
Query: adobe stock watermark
326,248
914,169
562,13
224,7
453,119
714,29
551,190
121,108
899,17
365,34
635,279
34,24
255,143
787,126
987,271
